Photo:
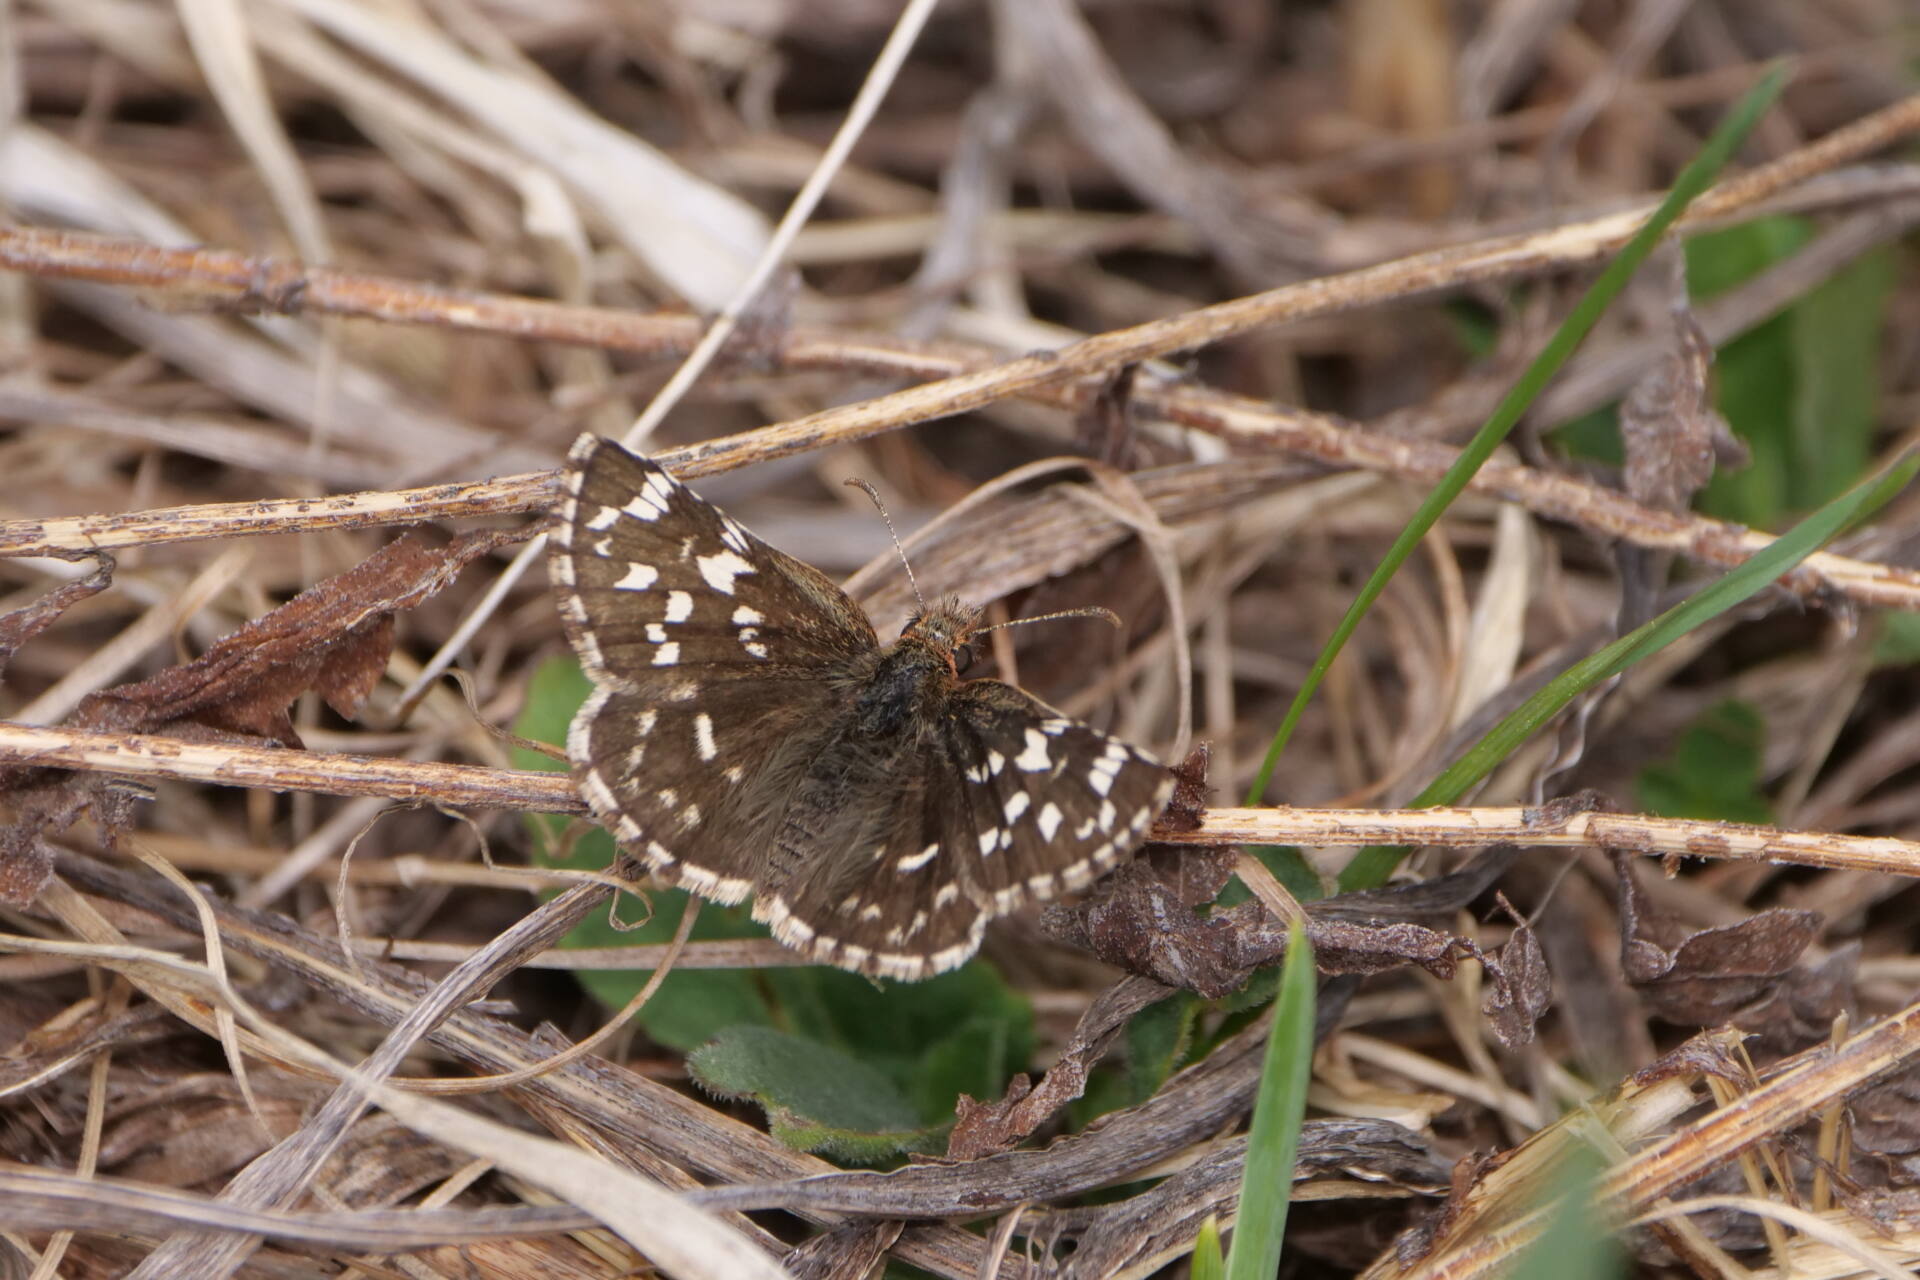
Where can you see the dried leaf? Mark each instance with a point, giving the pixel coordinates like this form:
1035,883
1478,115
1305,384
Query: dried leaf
1519,986
1705,977
1104,426
1436,898
1144,924
854,1249
983,1128
24,623
333,638
1342,946
1668,425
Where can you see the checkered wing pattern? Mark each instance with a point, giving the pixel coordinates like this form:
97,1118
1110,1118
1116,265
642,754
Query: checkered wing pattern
1008,802
708,650
748,734
662,592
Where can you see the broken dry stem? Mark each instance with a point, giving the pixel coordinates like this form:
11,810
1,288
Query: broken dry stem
473,786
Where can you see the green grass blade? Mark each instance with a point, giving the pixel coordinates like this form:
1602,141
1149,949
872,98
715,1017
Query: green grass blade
1697,177
1207,1263
1267,1185
1576,1244
1371,866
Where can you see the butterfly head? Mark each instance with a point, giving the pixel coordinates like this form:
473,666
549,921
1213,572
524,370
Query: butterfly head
945,627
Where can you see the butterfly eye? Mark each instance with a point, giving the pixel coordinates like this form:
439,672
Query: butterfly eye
963,658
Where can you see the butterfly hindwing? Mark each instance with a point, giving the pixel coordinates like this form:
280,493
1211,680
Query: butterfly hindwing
1009,803
1055,803
891,896
694,787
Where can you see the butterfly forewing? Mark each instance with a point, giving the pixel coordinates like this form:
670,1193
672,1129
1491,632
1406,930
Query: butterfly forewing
747,734
659,589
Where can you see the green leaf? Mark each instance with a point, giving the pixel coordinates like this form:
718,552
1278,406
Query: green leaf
816,1098
1755,371
1266,1189
1898,643
1837,331
1371,866
1108,1089
1714,772
1576,1244
1158,1038
1799,388
1592,437
960,1032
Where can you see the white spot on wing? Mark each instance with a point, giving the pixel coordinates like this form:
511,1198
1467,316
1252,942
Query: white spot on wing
1035,758
995,762
603,519
747,617
644,506
947,896
1106,815
644,724
679,606
990,840
1050,819
720,570
667,654
1017,804
915,861
639,578
703,736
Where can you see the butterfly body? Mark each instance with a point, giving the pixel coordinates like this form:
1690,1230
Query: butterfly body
749,734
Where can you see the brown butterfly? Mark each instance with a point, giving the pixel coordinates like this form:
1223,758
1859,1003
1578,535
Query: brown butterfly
749,734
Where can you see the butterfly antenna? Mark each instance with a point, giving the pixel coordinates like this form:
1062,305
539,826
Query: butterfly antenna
1091,611
906,564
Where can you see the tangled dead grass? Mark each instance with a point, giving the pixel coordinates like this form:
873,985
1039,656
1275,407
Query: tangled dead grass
1176,313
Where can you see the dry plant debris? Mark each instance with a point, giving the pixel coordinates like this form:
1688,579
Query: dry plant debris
1172,310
